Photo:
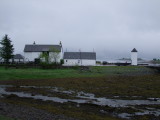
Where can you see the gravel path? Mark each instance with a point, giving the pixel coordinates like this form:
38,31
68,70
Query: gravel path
28,113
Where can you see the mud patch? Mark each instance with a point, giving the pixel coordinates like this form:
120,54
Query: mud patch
121,108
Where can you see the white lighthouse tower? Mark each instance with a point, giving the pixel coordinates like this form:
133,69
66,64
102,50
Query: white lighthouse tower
134,57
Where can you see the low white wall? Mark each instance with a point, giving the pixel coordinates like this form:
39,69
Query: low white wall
18,60
83,62
15,60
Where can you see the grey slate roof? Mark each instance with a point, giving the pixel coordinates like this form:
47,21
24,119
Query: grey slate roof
134,50
40,48
80,55
18,56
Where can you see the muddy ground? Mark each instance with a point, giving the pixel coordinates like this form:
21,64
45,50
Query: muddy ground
108,98
15,111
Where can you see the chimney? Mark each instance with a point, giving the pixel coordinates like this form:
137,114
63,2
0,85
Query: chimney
60,43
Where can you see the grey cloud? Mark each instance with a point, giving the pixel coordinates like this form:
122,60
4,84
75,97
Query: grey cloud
111,27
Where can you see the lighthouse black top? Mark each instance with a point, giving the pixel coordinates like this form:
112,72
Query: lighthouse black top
134,50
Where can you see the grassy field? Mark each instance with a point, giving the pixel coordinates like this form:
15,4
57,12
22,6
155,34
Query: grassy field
16,74
5,118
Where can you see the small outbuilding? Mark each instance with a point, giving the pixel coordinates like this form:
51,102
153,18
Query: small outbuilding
79,58
18,58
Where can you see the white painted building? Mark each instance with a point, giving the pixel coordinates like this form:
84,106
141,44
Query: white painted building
18,58
33,51
79,58
134,57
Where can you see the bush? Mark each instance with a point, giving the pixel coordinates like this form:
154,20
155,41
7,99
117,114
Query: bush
61,61
37,61
104,62
54,65
98,62
76,67
45,65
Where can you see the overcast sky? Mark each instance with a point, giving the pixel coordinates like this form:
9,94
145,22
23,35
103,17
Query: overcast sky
111,27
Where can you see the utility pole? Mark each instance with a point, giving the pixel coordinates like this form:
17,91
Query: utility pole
80,56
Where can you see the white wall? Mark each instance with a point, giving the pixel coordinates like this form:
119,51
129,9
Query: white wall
15,60
83,62
30,56
18,60
134,58
59,57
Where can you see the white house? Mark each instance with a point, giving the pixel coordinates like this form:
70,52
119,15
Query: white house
134,57
79,58
18,58
33,51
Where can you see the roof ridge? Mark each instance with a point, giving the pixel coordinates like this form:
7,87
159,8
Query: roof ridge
42,44
80,55
79,52
40,47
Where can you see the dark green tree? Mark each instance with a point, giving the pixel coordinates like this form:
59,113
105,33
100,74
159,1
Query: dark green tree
6,51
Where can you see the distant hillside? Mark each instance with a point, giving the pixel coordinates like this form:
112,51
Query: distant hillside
129,59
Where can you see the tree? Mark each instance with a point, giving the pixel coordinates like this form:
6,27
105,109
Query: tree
50,56
54,54
6,51
45,57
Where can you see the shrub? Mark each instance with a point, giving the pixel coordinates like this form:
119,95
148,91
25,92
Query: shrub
76,67
61,61
54,65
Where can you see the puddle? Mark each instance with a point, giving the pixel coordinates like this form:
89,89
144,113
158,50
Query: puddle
124,115
130,97
41,97
85,98
146,112
90,98
54,89
115,102
69,92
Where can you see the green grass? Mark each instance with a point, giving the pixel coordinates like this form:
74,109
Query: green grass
5,118
16,74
